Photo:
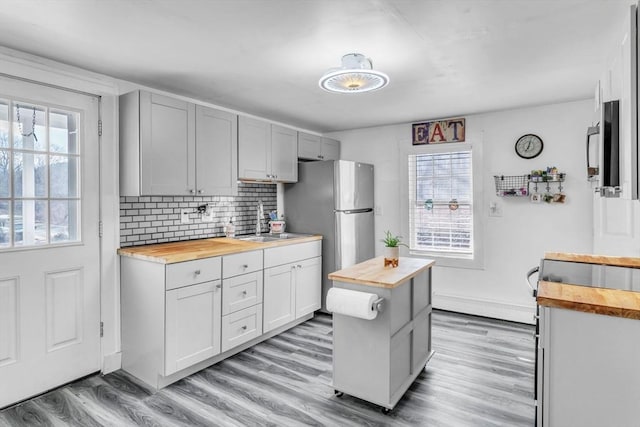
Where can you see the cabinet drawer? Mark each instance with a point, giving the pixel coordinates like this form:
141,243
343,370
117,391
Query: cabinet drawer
290,253
246,262
241,326
190,272
241,292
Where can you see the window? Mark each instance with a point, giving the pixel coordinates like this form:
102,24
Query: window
441,203
39,175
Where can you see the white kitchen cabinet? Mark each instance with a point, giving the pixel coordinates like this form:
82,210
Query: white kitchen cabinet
292,283
242,291
192,325
588,371
308,286
216,152
279,296
314,147
266,152
173,147
171,316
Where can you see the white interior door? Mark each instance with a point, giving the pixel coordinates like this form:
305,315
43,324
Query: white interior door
49,244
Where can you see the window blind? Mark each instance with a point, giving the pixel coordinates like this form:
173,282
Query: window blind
441,202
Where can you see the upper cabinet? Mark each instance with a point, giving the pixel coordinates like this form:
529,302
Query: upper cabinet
266,152
314,147
173,147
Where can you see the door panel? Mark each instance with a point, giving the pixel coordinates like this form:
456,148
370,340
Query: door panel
50,291
64,308
8,321
354,238
279,296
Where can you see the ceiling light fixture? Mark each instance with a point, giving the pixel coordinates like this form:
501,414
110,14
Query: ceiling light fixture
355,76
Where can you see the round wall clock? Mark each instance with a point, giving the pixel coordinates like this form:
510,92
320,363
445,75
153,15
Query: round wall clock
529,146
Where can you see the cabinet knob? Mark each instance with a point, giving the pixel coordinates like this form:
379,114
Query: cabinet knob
200,191
192,191
244,328
245,266
244,293
293,267
299,266
197,272
218,286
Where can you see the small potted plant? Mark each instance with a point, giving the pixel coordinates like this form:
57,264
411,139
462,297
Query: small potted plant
391,248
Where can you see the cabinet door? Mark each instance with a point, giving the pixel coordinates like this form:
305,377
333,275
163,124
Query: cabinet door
216,152
309,146
167,145
278,296
330,149
308,286
254,149
192,331
284,154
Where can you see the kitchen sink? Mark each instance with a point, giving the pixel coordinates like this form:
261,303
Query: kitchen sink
273,237
259,238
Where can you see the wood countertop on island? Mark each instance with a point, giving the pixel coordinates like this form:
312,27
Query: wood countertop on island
373,272
189,250
610,302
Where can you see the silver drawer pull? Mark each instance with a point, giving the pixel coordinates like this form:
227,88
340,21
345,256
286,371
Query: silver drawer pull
218,286
244,293
244,328
245,266
197,272
299,266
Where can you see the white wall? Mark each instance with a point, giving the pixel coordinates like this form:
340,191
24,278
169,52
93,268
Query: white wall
516,241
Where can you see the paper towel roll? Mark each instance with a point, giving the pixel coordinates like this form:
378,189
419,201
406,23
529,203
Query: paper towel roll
351,303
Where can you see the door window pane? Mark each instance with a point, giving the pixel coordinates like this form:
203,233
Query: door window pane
64,176
39,175
27,135
30,222
4,124
5,224
64,220
30,172
63,132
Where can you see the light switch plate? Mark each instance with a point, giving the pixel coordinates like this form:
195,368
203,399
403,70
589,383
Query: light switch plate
184,216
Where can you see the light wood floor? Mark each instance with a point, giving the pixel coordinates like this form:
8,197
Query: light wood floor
481,375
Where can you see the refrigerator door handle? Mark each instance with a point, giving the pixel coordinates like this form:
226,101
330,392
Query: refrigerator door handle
354,211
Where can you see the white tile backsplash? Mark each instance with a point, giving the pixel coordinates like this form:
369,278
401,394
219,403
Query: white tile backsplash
155,219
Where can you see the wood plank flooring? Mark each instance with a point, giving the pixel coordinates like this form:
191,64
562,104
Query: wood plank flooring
481,375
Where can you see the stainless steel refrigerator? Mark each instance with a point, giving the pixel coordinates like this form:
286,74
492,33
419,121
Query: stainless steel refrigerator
335,199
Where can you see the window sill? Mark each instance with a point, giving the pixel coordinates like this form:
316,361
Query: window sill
450,260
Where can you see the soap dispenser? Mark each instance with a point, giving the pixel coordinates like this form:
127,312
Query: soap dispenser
230,228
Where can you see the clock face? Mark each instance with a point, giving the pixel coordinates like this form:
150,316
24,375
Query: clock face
529,146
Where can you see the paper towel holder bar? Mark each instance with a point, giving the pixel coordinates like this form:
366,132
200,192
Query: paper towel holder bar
377,305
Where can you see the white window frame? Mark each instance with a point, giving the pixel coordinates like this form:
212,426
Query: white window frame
449,259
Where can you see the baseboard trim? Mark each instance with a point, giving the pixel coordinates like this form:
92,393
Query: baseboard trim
111,362
485,307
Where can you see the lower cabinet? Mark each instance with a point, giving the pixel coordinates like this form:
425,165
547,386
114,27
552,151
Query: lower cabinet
192,332
587,369
293,288
179,318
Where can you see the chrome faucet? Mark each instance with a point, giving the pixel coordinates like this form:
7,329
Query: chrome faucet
260,213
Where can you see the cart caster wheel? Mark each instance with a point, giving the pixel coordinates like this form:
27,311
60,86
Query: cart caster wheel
386,411
338,393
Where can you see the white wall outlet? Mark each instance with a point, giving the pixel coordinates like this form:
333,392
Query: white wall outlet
184,216
207,216
495,209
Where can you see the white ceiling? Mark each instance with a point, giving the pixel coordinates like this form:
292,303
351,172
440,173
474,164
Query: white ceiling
444,57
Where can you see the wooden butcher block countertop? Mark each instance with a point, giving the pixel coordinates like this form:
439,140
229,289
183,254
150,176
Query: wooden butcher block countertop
373,272
189,250
611,302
